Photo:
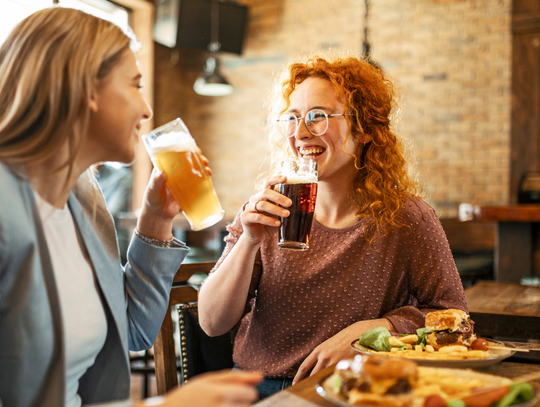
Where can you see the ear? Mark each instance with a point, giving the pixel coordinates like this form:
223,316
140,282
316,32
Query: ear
93,103
362,138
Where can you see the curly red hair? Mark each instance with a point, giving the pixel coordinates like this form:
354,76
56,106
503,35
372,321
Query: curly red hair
383,180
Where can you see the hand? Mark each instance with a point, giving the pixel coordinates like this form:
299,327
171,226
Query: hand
205,162
216,389
159,208
337,348
260,218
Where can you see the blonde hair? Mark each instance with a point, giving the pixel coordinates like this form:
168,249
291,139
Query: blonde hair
48,65
383,179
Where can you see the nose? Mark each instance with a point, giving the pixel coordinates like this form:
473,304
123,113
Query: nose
302,131
147,111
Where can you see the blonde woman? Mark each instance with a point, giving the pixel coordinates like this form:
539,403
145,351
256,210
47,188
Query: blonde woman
378,255
70,98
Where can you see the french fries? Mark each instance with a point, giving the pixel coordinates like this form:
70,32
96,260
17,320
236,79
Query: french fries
432,354
403,341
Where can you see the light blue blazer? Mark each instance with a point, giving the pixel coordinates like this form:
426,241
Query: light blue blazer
32,364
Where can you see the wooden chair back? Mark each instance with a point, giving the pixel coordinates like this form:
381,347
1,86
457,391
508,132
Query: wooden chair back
164,346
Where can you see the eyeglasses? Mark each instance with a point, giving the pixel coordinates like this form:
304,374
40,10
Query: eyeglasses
316,122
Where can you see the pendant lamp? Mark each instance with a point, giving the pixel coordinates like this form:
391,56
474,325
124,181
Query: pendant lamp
211,82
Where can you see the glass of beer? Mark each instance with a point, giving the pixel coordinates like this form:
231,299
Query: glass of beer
301,189
174,151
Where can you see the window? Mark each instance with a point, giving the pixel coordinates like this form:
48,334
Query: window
100,8
14,11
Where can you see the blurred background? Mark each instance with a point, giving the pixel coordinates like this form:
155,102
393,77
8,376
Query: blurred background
468,75
467,72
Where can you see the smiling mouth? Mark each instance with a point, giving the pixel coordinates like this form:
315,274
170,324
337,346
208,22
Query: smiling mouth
311,152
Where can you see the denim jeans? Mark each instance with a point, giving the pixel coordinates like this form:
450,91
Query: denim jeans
271,386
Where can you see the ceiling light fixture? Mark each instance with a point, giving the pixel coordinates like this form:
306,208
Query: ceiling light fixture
211,82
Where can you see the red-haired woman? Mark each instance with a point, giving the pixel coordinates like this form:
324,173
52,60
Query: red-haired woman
378,255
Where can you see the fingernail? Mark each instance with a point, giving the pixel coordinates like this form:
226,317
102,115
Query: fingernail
284,213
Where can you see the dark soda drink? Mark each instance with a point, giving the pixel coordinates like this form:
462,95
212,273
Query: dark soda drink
294,229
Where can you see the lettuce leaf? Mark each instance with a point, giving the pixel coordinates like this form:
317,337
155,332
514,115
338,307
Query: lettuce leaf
377,339
422,333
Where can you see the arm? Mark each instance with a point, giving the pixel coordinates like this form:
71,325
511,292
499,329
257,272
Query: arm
223,296
150,269
148,280
337,348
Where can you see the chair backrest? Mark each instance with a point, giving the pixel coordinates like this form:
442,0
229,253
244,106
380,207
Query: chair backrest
164,346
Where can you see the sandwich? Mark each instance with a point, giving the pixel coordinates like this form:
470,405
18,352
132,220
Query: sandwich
449,327
375,381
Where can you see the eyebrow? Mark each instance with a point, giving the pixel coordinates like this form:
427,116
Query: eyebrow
325,108
137,77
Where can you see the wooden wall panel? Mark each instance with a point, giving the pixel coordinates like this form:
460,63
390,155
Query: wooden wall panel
523,7
525,133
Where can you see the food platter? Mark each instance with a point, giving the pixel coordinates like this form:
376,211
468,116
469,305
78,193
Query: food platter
495,356
328,395
324,389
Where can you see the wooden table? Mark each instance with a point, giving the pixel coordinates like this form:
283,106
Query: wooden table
303,394
505,309
516,243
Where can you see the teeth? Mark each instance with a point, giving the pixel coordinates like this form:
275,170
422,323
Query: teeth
311,150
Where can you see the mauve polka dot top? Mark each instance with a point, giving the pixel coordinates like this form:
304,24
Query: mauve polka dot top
304,298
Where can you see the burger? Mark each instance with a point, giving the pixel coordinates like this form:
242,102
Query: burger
375,381
449,327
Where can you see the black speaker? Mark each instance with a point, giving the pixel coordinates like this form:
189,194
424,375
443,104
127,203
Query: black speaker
186,23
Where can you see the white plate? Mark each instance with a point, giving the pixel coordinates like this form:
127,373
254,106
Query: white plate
326,392
495,356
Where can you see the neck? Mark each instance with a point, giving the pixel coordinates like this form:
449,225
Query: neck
333,208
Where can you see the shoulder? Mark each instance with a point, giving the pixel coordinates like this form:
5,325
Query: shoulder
16,196
9,179
416,210
17,220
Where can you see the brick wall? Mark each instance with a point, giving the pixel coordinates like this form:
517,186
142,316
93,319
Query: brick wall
451,59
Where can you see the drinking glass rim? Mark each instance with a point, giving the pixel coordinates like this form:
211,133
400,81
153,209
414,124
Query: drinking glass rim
167,125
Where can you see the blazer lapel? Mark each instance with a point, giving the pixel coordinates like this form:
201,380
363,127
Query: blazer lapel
99,240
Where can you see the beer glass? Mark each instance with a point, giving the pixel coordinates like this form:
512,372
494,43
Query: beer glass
174,151
301,189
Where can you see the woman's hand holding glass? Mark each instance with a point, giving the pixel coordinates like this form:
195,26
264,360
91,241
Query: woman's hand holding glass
260,219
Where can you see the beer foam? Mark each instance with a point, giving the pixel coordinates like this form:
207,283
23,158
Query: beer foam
301,179
174,141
